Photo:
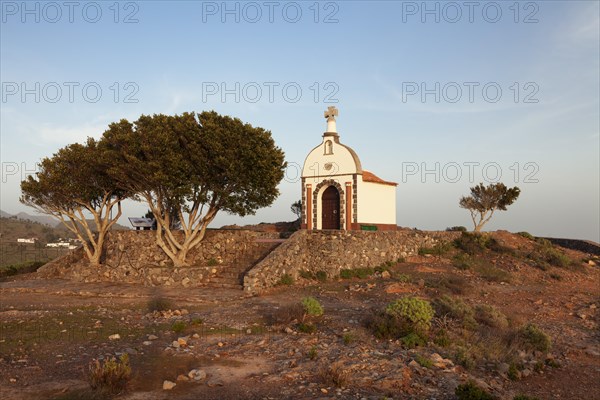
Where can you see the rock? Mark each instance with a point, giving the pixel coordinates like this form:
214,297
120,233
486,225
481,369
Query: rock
182,378
386,275
182,341
220,344
197,374
175,344
396,288
185,282
152,337
146,342
288,330
168,385
525,373
503,368
114,336
214,382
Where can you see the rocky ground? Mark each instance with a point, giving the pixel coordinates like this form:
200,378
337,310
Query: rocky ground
219,344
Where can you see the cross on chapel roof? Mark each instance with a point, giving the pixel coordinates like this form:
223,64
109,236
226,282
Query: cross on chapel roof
331,113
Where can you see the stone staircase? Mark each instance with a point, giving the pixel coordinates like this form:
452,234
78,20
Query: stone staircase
232,276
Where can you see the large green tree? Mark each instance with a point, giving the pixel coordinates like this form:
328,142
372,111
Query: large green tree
73,186
484,200
189,167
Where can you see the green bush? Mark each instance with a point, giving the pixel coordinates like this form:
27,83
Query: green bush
526,235
413,340
471,242
442,338
349,338
385,326
307,275
456,309
513,372
321,276
307,328
312,307
111,376
286,279
492,274
438,250
212,262
423,361
470,391
313,353
159,304
403,278
535,337
462,261
178,326
418,313
356,273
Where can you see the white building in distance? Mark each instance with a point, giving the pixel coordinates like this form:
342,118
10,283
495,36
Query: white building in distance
338,194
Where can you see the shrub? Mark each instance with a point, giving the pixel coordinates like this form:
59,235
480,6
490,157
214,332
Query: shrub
334,374
442,338
212,262
349,338
384,326
159,304
356,273
513,372
526,235
403,278
413,340
307,274
418,313
464,357
424,361
313,353
462,261
492,274
456,229
312,307
439,249
321,276
556,276
178,326
490,316
470,391
535,337
456,309
452,283
306,328
471,243
286,279
111,376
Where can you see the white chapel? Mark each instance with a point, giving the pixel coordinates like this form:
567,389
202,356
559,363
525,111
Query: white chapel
338,194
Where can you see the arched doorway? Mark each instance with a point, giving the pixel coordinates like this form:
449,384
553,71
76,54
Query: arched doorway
330,208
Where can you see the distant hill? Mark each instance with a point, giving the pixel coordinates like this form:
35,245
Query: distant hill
49,221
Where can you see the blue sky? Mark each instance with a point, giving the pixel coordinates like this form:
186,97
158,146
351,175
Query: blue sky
517,87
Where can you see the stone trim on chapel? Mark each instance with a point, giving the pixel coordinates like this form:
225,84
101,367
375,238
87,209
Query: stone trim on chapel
338,194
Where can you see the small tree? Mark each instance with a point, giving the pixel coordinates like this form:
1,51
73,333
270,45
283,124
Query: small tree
297,208
72,186
484,200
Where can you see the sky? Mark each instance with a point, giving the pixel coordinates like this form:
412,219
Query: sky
437,96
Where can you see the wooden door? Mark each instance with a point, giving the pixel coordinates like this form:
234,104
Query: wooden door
330,208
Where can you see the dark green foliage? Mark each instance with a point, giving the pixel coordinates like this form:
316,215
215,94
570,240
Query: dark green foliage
286,279
349,338
23,268
470,391
178,326
413,340
526,235
513,372
456,229
464,357
490,316
191,166
212,262
297,208
463,262
442,338
313,353
471,242
307,328
449,283
423,361
485,200
321,276
360,273
159,304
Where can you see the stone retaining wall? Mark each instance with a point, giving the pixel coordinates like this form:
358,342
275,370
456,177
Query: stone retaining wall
134,257
332,251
